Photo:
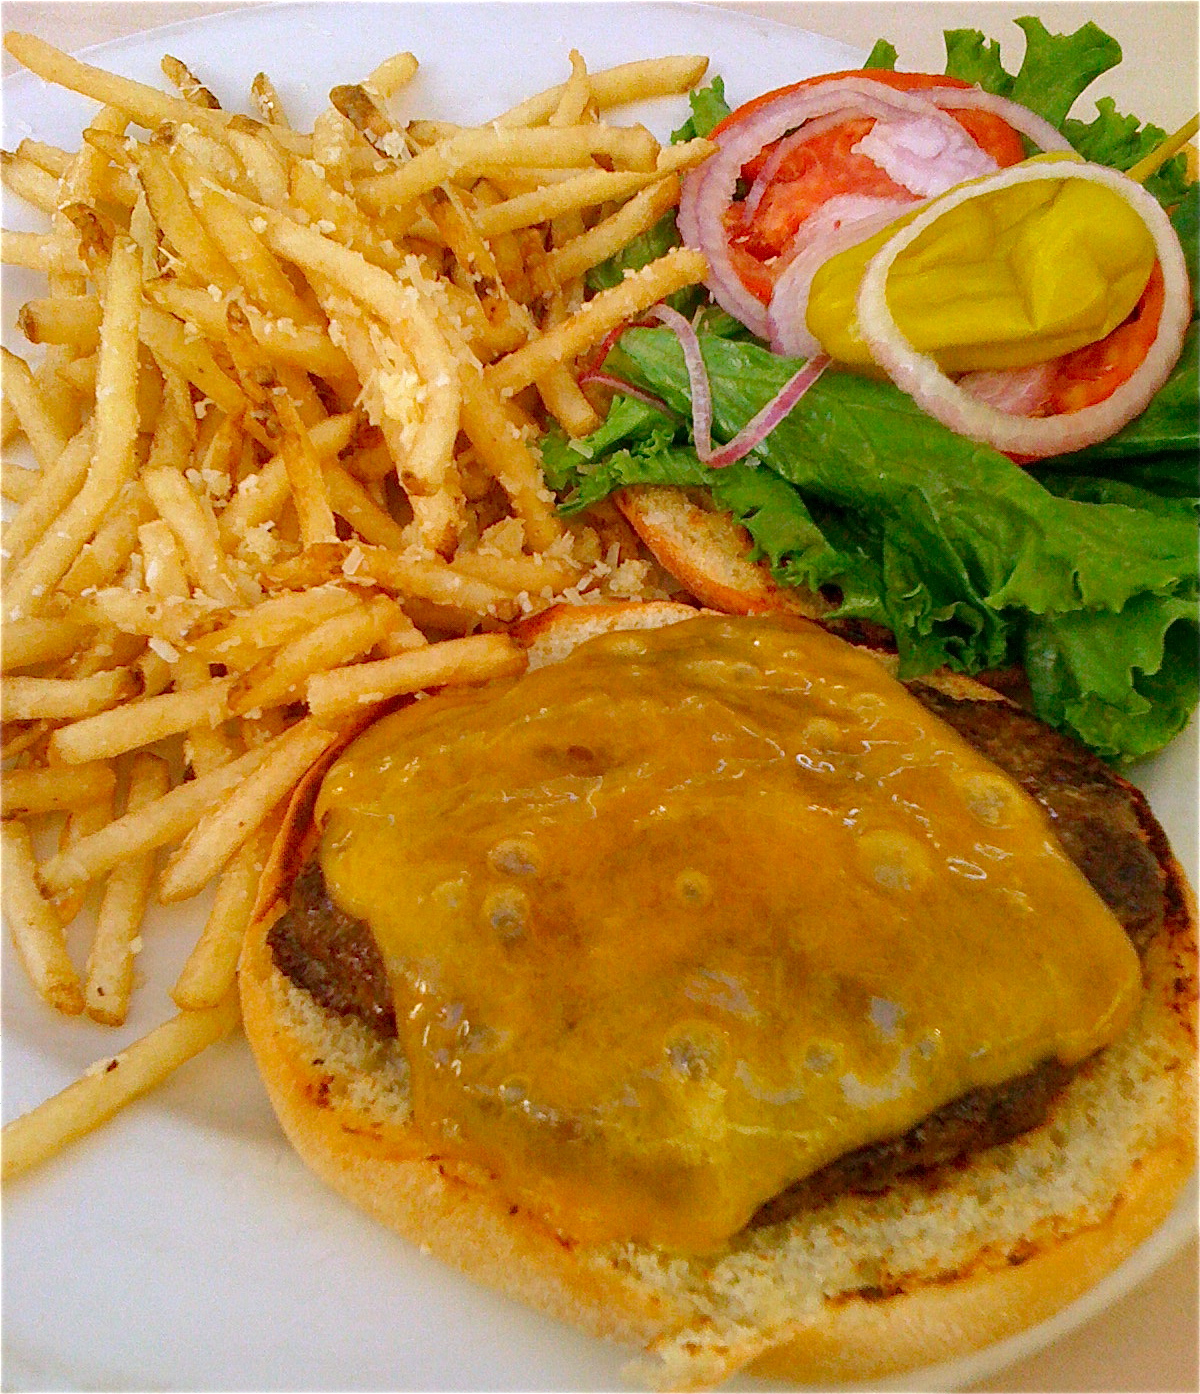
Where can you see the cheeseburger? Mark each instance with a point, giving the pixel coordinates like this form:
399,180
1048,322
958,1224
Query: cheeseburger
709,988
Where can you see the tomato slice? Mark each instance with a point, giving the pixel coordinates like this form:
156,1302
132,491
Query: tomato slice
1093,373
827,166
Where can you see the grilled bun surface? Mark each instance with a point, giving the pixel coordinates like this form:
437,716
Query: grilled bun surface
854,1284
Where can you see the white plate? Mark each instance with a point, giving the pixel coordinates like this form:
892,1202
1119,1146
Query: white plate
184,1246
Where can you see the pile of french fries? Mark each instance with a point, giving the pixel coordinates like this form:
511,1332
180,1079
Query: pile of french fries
272,464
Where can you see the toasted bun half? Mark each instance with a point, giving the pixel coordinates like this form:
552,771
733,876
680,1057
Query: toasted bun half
858,1287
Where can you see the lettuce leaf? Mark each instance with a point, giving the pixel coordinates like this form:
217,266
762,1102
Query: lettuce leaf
969,559
1054,73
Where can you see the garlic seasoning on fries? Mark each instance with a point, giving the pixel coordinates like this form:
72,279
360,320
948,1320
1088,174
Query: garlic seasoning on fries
271,464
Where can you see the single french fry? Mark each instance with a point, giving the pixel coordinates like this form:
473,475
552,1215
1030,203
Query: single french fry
80,822
31,699
302,463
139,723
631,147
41,251
351,501
678,268
173,212
388,77
402,576
145,105
169,620
190,517
55,488
165,820
167,339
110,1084
72,320
27,643
42,430
501,447
338,640
266,100
45,789
476,658
223,829
258,271
17,482
29,182
532,574
162,563
617,86
262,160
109,977
606,238
48,157
35,928
273,622
107,554
191,89
211,967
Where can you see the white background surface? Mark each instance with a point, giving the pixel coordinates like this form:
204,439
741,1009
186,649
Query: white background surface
187,1295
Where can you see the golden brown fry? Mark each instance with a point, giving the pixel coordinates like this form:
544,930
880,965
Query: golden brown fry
42,430
680,267
266,101
226,825
72,320
27,643
80,822
111,1084
35,928
55,488
190,517
478,658
48,789
617,86
474,151
140,723
338,640
191,89
165,820
41,251
109,977
30,699
209,973
606,238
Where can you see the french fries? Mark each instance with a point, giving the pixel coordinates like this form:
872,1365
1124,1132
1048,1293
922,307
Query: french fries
279,469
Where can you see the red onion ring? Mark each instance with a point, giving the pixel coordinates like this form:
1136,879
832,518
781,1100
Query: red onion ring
708,190
760,426
919,376
601,379
840,222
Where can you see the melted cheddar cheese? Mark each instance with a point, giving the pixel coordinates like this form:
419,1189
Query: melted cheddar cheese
677,921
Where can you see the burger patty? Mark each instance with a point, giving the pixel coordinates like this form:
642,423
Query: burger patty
1100,823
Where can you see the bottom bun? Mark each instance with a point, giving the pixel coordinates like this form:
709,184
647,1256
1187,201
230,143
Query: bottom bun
856,1287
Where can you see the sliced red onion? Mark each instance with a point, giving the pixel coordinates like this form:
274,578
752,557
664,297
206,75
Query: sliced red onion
709,189
1041,132
923,156
760,426
919,375
600,379
842,221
